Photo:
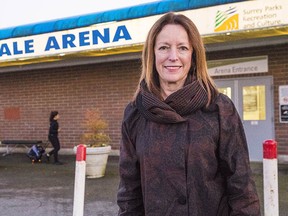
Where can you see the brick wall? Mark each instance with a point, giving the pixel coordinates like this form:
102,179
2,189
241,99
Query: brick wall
70,90
279,67
29,96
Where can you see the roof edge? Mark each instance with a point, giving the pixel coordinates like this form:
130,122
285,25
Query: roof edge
138,11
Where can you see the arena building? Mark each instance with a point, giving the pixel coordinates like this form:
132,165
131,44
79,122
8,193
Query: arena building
93,61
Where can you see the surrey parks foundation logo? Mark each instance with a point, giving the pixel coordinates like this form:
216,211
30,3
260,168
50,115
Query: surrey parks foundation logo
226,20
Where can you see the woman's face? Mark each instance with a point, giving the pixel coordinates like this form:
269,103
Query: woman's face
173,54
56,117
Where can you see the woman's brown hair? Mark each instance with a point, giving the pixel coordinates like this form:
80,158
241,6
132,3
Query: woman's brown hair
199,65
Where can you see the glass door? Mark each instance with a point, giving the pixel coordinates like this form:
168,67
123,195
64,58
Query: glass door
253,100
228,87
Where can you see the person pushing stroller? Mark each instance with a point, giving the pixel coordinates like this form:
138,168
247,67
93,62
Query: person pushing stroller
53,137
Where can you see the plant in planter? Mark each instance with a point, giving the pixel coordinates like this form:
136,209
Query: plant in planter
97,142
95,126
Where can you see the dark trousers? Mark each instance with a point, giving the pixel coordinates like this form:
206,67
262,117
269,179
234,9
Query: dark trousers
56,146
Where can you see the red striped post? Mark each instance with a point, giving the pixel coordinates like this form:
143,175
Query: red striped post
79,187
270,181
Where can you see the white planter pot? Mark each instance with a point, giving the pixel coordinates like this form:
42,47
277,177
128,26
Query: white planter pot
96,161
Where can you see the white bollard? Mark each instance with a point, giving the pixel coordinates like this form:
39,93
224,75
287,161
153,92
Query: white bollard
270,181
79,187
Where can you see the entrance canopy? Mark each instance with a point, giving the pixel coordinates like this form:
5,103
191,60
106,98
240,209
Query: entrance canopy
124,30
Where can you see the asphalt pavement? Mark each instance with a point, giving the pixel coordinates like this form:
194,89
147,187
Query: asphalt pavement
45,189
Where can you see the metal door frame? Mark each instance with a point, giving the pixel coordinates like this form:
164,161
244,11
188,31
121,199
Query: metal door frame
234,83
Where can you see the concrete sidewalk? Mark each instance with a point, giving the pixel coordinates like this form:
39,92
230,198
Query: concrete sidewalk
45,189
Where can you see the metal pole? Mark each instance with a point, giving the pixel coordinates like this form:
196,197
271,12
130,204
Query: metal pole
270,181
79,187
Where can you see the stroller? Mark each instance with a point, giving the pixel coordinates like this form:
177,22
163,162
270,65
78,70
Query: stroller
35,153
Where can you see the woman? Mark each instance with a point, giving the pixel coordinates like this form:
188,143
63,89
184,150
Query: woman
183,149
53,137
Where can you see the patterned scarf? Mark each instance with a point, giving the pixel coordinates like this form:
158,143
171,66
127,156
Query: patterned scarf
176,106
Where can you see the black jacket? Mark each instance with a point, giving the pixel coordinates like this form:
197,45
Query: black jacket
54,126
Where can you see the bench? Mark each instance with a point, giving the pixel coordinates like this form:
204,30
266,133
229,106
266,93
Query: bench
12,144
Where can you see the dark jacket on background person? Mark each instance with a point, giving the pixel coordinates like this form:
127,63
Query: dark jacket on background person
53,129
179,158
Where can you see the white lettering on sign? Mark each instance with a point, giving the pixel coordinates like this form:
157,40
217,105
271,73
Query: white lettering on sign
256,64
67,41
268,14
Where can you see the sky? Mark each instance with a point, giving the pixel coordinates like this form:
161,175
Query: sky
21,12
